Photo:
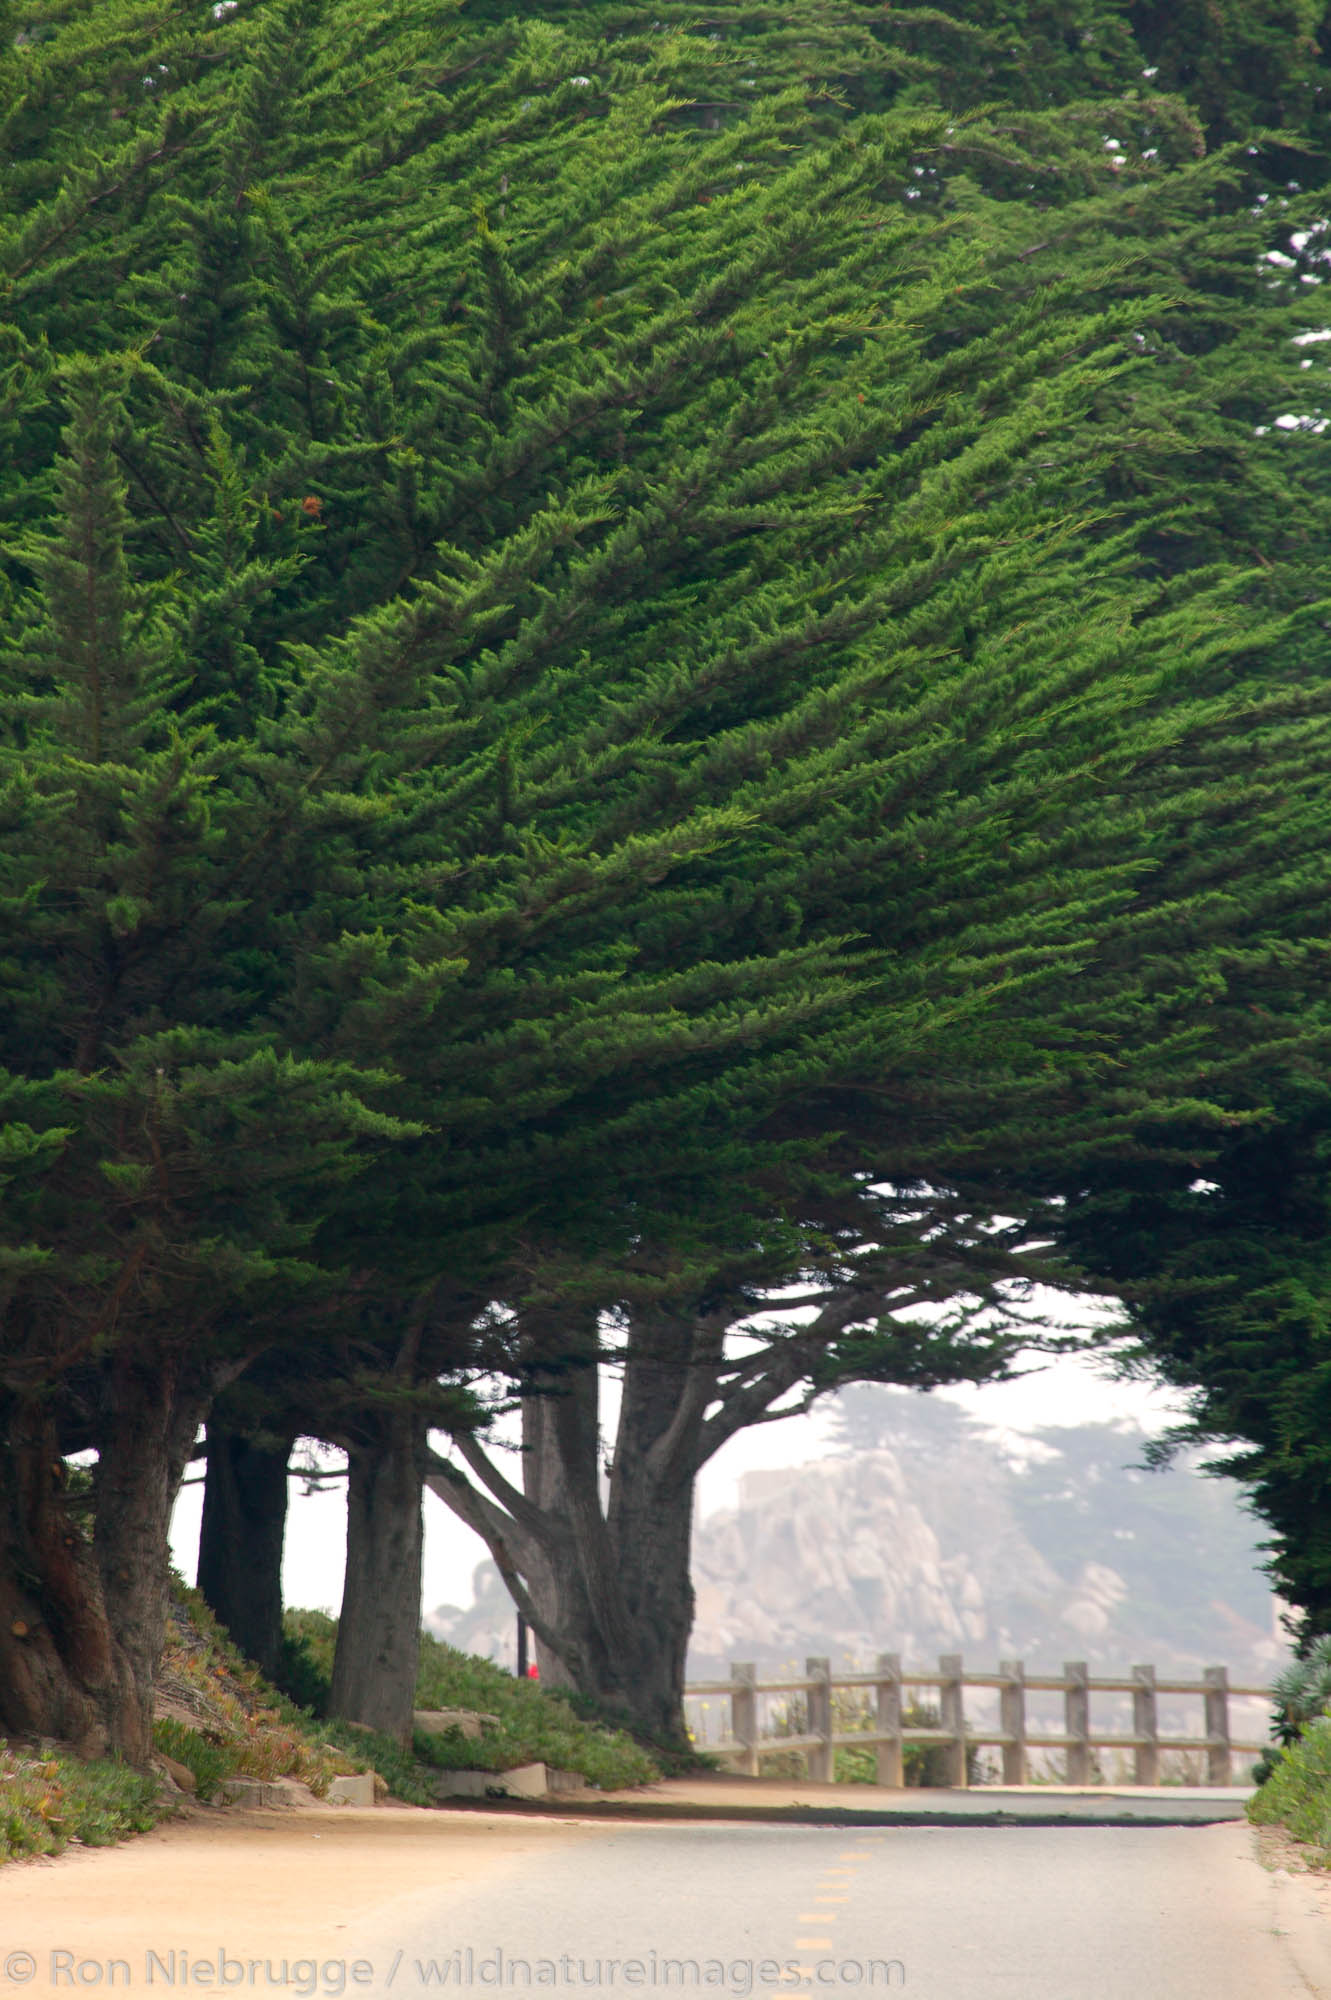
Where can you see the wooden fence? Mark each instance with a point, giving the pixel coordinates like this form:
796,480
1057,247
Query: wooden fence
746,1747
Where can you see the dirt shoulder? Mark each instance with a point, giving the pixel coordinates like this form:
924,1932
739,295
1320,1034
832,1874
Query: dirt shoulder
260,1884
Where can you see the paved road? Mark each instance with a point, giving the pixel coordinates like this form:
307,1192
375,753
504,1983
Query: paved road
1078,1913
395,1904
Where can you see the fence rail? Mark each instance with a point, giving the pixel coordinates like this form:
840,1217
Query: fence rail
890,1736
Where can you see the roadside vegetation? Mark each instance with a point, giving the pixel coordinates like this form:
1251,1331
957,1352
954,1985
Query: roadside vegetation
644,667
219,1718
1294,1776
531,1725
47,1802
1297,1794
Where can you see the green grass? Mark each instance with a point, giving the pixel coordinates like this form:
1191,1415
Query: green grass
535,1726
48,1801
1298,1792
209,1760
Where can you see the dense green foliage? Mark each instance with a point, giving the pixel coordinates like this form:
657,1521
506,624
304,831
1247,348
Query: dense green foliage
585,666
830,567
1227,1281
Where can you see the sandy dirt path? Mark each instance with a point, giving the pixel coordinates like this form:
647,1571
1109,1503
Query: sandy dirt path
288,1885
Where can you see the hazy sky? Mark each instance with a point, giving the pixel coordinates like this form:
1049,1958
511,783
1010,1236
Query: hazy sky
1067,1391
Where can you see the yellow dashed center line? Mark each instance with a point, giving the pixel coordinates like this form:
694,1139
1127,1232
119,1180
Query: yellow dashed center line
830,1886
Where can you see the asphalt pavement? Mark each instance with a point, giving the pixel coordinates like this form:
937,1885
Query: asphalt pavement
945,1913
396,1902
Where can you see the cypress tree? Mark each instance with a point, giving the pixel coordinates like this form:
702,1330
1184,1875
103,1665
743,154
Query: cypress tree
1222,1266
610,1601
660,604
165,1142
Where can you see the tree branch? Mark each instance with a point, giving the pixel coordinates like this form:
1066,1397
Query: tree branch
524,1514
456,1491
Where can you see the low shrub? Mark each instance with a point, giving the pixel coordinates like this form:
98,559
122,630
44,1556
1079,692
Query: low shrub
1297,1794
260,1733
47,1801
208,1759
1301,1693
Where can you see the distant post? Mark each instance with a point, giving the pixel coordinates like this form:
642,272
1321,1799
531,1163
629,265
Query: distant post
1077,1720
744,1715
1012,1721
891,1764
1219,1758
1145,1727
819,1709
522,1647
952,1716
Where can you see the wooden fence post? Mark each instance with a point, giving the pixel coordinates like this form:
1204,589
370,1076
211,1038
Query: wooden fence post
890,1733
891,1763
1077,1721
1219,1761
1145,1724
1012,1721
819,1710
952,1716
744,1715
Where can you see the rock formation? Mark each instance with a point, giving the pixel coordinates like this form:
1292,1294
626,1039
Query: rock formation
922,1534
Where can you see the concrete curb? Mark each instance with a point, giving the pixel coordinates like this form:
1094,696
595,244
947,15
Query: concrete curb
524,1781
830,1816
933,1809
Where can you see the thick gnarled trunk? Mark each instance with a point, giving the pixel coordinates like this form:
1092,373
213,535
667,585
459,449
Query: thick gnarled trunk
379,1631
59,1671
613,1601
241,1537
83,1614
603,1575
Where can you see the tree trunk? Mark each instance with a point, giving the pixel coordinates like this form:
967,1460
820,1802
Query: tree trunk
58,1659
650,1510
379,1632
614,1593
240,1541
83,1615
604,1580
154,1419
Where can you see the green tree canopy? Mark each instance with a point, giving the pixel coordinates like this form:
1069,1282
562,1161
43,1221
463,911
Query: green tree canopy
560,647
